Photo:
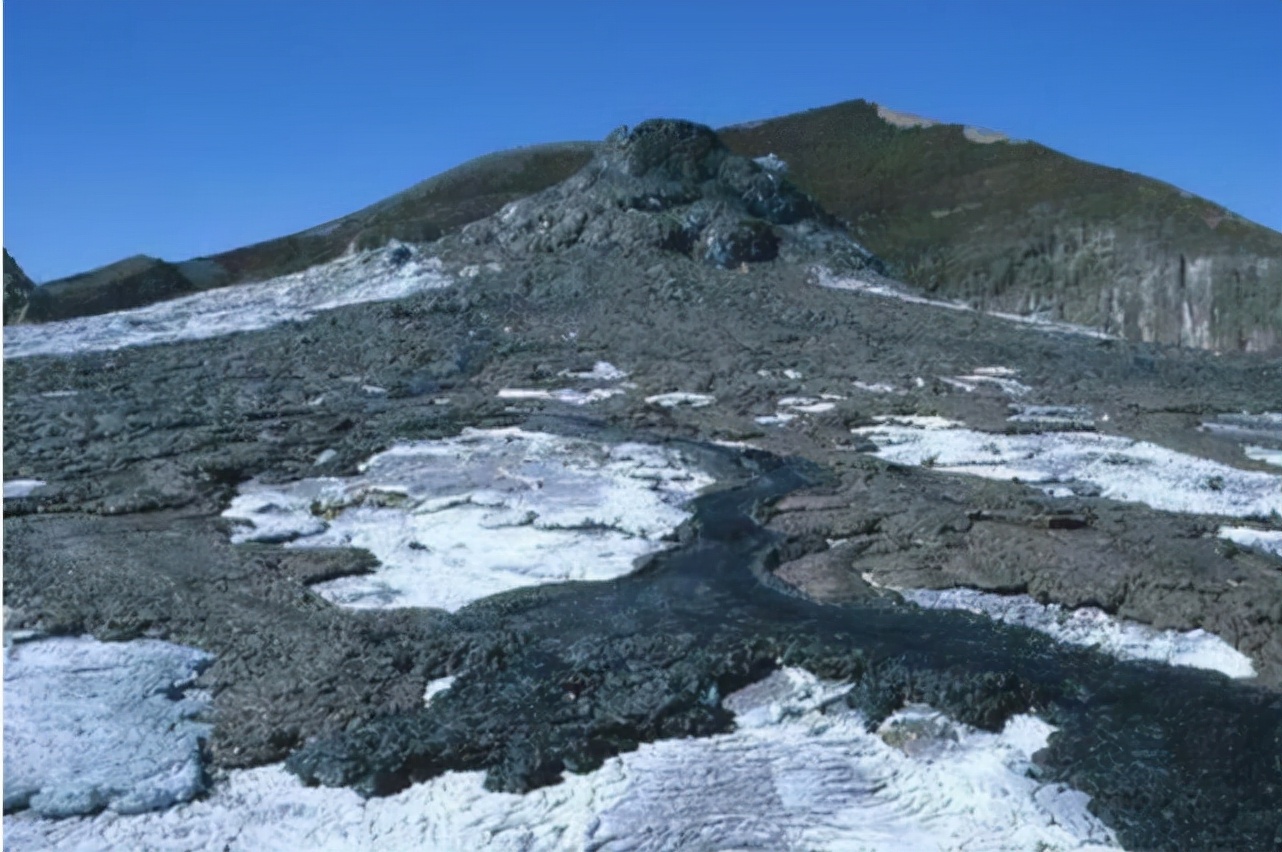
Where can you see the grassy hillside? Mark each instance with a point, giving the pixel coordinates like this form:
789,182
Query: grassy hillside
1021,227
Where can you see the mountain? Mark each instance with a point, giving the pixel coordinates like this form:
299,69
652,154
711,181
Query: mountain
1014,226
619,516
962,213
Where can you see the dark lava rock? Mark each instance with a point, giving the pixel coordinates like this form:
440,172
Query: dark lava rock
671,185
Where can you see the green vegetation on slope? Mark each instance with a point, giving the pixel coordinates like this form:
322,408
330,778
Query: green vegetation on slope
1018,226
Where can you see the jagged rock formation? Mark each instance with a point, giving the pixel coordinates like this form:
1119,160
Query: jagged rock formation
1016,226
18,289
673,185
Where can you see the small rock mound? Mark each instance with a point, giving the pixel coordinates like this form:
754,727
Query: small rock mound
672,185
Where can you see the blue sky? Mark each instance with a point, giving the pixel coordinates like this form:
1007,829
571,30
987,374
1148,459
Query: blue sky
185,127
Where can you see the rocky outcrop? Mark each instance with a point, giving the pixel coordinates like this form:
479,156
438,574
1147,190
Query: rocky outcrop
1016,226
673,185
18,289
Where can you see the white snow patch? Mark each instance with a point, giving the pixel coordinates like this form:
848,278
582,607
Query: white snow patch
1268,455
876,285
807,404
324,457
778,419
796,775
91,724
1002,377
792,374
772,163
875,387
461,519
566,395
436,687
1266,541
370,276
672,400
602,371
14,488
1093,628
59,394
1118,468
1053,417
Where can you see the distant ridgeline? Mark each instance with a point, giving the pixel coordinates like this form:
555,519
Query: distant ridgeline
960,212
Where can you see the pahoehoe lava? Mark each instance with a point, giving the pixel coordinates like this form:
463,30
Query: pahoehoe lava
576,673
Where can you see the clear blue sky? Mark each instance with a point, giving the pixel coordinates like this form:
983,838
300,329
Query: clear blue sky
185,127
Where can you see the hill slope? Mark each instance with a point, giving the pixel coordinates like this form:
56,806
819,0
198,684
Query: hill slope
421,213
1016,226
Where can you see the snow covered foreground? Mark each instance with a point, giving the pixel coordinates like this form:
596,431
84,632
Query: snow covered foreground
799,773
460,519
1067,463
1093,628
91,724
370,276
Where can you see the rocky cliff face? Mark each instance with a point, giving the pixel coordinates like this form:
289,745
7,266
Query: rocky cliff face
1116,277
1015,226
17,290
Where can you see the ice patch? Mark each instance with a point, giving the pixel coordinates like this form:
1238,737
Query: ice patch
91,725
876,285
808,404
1265,541
799,773
792,374
461,519
792,406
971,383
875,387
1268,455
436,687
1064,462
672,400
602,371
1053,417
772,163
1265,427
1094,628
568,396
371,276
15,488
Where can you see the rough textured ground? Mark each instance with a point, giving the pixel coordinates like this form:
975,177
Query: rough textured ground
143,448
